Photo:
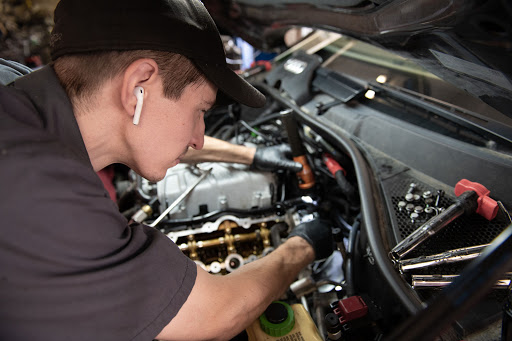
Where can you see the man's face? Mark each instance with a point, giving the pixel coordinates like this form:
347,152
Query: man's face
169,127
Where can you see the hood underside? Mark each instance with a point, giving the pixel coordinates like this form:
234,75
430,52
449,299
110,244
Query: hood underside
466,43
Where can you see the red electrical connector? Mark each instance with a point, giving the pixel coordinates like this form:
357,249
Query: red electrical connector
487,207
351,308
333,165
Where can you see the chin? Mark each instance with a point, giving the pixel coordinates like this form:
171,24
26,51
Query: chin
154,172
153,175
154,178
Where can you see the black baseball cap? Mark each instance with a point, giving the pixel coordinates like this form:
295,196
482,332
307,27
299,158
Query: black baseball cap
179,26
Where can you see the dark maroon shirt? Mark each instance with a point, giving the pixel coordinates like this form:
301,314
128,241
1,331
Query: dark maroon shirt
71,268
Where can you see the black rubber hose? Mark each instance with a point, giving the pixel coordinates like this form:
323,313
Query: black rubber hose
275,233
346,187
349,275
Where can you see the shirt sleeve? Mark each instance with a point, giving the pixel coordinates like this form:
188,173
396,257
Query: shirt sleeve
70,266
10,70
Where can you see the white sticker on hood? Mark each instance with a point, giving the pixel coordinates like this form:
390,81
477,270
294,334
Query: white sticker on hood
473,70
295,66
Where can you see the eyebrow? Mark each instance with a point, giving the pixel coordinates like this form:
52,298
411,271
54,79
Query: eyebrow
208,102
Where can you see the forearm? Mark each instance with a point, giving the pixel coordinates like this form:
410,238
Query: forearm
219,150
273,274
226,305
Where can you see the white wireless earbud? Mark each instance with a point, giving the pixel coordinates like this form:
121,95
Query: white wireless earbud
139,93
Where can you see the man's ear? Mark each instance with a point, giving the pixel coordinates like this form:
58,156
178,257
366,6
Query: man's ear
141,73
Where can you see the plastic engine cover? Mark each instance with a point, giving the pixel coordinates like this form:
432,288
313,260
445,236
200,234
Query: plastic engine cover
227,186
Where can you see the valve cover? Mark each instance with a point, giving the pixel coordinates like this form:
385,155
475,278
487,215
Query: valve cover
229,186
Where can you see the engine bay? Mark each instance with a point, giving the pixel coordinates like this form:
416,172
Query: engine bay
379,173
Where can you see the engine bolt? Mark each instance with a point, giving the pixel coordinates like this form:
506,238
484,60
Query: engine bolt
412,186
401,205
418,209
414,217
440,194
409,207
429,210
409,197
417,197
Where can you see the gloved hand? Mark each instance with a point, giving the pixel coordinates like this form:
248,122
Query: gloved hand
275,157
318,234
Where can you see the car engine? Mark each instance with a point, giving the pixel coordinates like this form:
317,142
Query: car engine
381,170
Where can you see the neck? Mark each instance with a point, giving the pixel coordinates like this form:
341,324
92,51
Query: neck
101,133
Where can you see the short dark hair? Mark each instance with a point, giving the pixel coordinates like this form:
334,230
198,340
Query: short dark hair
82,74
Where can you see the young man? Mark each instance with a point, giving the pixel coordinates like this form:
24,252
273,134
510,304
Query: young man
70,266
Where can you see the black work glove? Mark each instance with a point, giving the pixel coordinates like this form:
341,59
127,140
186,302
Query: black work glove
318,234
275,157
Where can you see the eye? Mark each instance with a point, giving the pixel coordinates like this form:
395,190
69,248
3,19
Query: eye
206,112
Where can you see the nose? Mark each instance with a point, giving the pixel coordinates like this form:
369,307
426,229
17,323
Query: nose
197,140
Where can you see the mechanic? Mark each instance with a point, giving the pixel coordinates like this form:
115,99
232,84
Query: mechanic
269,158
70,266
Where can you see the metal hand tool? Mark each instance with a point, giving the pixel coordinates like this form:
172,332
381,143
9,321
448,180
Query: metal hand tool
451,256
472,197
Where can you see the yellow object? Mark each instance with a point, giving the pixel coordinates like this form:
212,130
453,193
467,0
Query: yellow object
303,330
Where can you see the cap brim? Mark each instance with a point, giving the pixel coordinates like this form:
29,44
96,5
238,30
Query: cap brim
232,87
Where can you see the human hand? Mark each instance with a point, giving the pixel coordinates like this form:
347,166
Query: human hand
318,234
275,157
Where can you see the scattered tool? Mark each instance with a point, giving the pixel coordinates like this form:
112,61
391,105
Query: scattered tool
472,197
440,281
451,256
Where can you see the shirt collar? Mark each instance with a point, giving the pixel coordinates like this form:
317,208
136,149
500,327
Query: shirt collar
50,99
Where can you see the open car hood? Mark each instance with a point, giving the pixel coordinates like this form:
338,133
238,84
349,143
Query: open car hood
465,42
